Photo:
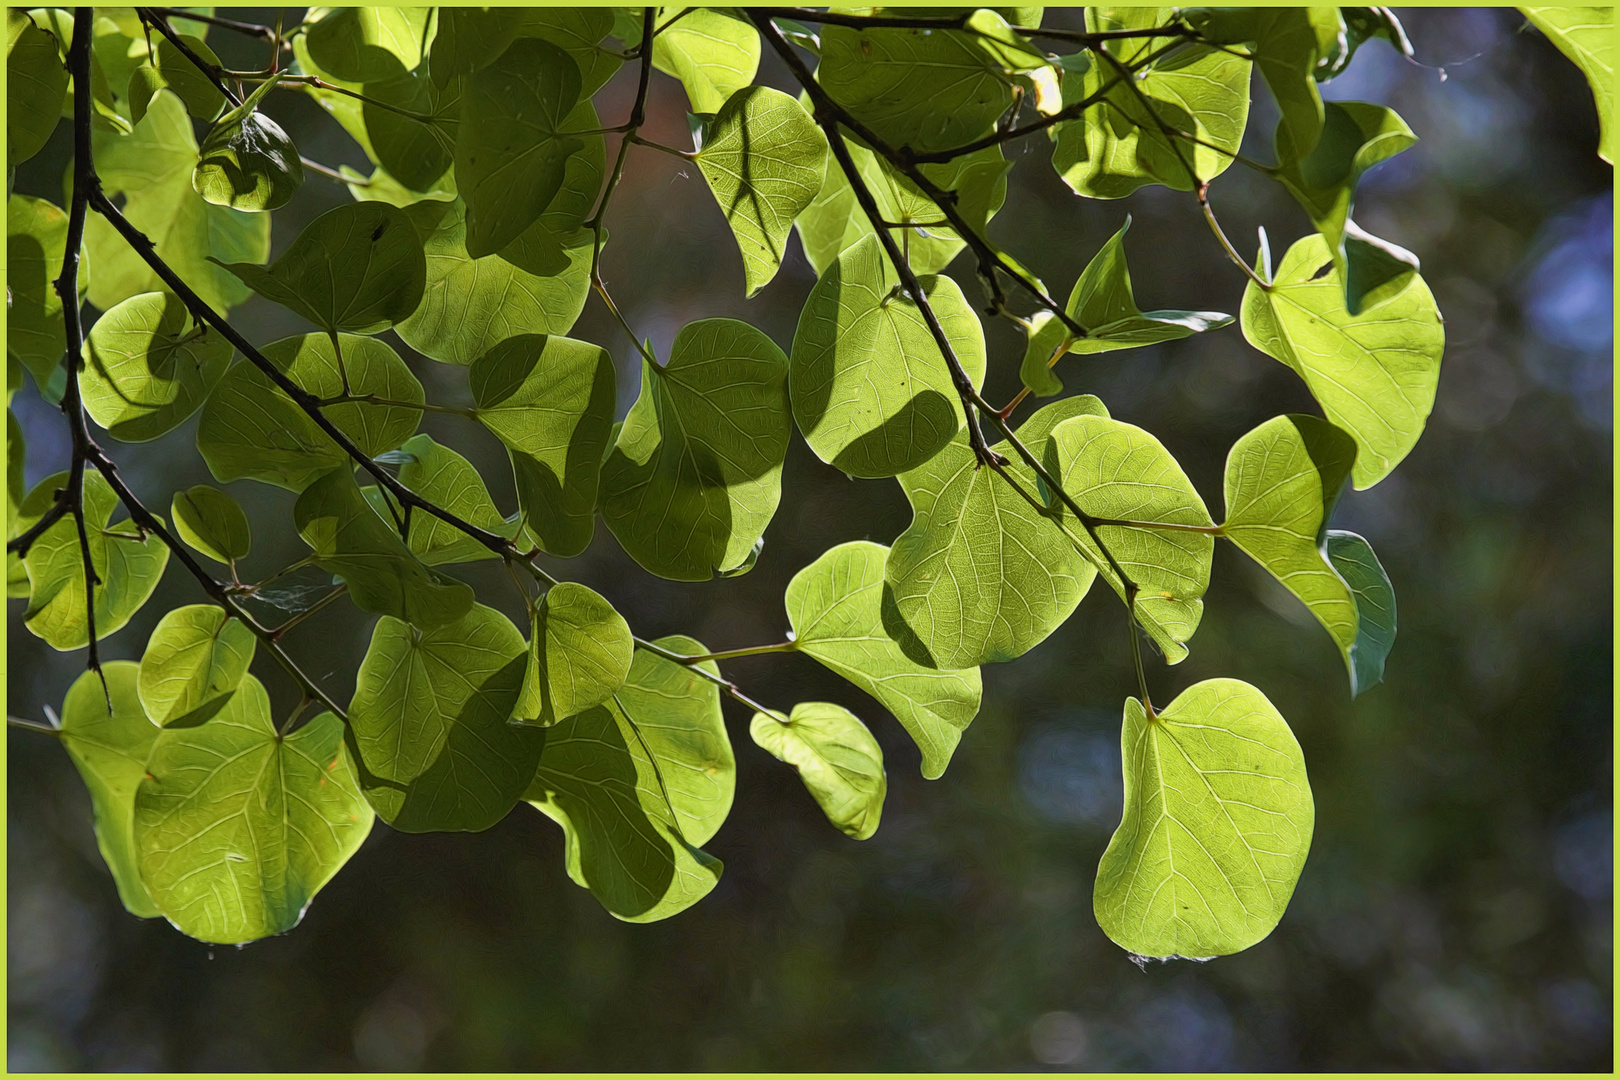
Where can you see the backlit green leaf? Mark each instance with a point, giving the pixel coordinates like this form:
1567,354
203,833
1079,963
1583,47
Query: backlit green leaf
1121,144
148,367
358,268
367,44
250,429
1218,819
697,470
870,389
193,663
1586,36
468,39
1353,558
1282,480
1374,374
980,576
512,147
835,606
110,750
352,542
129,568
836,757
448,481
416,152
176,71
1048,341
152,168
1117,472
36,85
1103,302
550,400
237,828
429,723
580,651
714,52
247,162
36,236
212,522
764,159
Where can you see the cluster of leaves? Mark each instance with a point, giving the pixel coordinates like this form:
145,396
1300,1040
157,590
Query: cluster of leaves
476,239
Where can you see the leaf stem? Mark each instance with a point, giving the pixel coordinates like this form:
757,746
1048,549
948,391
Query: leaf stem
32,725
1220,234
732,654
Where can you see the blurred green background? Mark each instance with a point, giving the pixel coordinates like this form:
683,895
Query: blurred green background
1455,912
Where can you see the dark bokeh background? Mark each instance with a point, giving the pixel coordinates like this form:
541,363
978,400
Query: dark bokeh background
1454,914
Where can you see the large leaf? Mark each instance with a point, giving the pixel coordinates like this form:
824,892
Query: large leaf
358,268
835,220
1117,472
764,159
250,428
469,39
449,481
712,51
1353,558
696,472
512,146
1355,137
110,748
930,90
128,566
1375,373
1282,480
368,44
211,522
176,71
36,236
148,367
1586,36
414,150
836,757
580,651
835,606
870,389
193,663
550,400
152,168
638,783
36,86
237,827
429,723
980,575
1218,819
352,542
247,162
1121,143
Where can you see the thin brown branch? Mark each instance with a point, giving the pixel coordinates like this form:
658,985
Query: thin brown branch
150,17
264,33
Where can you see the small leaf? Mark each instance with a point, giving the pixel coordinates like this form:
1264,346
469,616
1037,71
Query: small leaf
237,828
212,522
551,401
429,723
1103,302
835,606
1116,471
110,750
368,44
980,576
1218,819
358,268
1374,373
1048,340
580,650
448,481
871,391
836,757
1353,558
202,98
128,565
148,367
251,429
352,542
194,662
36,86
1586,36
764,159
696,473
512,147
36,236
1282,480
247,162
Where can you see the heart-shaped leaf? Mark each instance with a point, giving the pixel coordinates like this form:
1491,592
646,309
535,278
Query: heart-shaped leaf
580,651
148,367
194,661
836,757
